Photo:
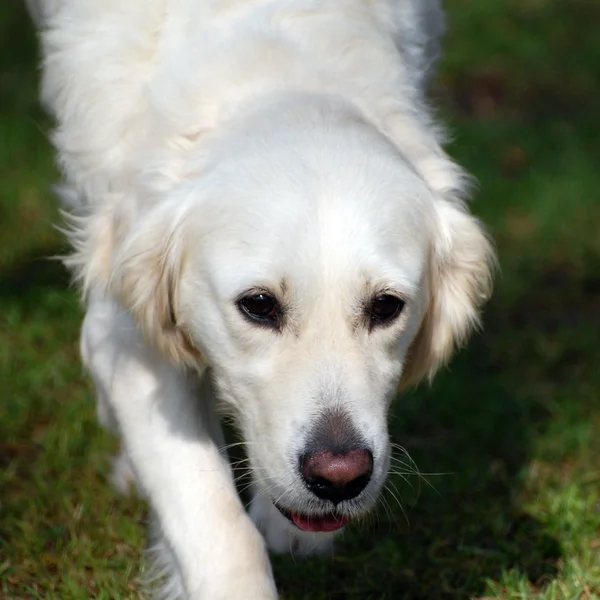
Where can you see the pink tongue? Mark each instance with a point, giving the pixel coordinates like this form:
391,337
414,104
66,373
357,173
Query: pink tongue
324,524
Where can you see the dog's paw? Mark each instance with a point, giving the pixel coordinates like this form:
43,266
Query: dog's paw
281,536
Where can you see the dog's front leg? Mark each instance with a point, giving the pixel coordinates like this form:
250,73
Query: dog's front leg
166,429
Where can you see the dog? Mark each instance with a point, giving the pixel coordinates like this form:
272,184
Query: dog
265,226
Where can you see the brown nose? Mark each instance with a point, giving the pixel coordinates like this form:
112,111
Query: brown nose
337,476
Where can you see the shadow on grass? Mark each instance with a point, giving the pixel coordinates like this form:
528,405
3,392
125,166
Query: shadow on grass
18,60
34,276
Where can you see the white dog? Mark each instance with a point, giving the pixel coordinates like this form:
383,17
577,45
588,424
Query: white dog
265,225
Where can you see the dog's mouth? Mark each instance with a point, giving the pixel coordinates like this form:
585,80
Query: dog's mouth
323,523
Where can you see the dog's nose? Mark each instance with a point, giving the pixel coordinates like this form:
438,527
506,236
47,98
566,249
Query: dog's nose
337,476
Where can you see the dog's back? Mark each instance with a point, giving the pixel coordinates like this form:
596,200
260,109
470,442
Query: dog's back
114,71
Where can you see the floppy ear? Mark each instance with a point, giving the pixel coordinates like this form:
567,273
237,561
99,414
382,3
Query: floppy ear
459,281
145,277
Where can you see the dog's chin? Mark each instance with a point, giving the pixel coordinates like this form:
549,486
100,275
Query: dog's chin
315,523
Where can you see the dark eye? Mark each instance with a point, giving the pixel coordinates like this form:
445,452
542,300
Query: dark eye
385,308
261,307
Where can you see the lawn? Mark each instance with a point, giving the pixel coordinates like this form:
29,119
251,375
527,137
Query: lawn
507,439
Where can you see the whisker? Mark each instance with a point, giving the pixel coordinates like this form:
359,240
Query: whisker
234,444
413,465
403,476
398,502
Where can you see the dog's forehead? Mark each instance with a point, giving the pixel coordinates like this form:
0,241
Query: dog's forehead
345,234
332,214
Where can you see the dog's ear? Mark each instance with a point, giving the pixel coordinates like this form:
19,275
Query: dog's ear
459,281
145,275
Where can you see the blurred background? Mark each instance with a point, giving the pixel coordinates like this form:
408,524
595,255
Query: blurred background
502,499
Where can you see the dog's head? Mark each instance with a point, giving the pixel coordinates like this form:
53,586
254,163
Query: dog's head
313,269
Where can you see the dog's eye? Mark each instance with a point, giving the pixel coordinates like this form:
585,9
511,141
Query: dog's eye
261,307
385,308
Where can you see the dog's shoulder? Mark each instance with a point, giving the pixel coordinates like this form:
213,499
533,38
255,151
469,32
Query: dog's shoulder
97,55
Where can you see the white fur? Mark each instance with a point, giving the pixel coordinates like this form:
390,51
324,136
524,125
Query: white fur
211,147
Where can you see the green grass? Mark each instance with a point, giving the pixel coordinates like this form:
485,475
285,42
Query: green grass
514,423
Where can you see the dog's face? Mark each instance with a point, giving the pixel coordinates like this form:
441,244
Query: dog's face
301,272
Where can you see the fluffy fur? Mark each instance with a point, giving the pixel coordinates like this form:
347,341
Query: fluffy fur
215,147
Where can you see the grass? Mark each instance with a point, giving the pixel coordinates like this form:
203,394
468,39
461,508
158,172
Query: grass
515,421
